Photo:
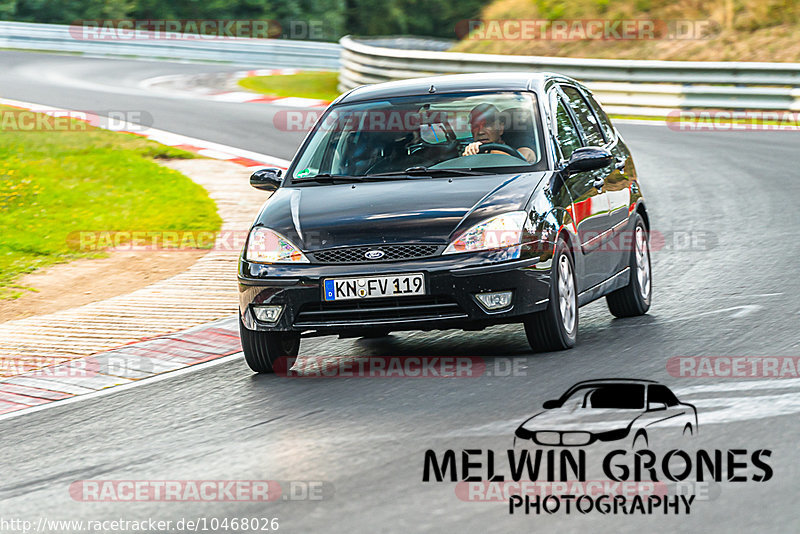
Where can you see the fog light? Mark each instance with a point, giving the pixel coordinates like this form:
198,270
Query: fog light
495,301
267,314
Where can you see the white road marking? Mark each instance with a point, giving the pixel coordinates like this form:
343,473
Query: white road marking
124,387
735,409
744,386
757,295
739,312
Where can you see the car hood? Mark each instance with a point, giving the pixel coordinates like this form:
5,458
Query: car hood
593,420
421,210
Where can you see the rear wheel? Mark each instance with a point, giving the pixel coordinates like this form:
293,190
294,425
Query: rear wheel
556,328
634,299
266,351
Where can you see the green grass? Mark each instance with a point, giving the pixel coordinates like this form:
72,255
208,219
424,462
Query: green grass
55,183
321,85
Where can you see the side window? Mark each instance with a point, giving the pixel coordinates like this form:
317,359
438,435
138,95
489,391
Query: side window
605,122
585,116
662,394
566,132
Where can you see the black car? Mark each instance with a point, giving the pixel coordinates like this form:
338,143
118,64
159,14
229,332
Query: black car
449,202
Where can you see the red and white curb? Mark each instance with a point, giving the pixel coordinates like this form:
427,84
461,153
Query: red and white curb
195,86
120,367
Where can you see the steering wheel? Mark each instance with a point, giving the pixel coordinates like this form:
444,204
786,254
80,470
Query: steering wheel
488,147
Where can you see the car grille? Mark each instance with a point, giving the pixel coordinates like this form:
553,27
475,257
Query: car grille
391,253
563,438
383,310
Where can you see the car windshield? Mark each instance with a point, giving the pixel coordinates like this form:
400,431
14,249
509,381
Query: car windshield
614,396
427,135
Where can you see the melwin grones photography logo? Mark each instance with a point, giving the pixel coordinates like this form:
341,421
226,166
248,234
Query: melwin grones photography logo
609,446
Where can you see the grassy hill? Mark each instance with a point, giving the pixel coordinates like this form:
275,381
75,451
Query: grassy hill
736,30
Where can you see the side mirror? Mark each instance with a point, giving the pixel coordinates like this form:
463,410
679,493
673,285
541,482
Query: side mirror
589,158
268,179
549,405
656,406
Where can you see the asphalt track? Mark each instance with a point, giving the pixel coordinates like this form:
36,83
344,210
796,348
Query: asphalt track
732,291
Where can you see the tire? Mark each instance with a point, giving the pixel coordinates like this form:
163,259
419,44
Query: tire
262,350
634,299
556,328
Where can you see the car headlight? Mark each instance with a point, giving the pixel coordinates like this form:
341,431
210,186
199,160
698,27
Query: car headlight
267,246
501,231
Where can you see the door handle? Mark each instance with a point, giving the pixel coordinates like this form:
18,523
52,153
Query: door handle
599,183
619,164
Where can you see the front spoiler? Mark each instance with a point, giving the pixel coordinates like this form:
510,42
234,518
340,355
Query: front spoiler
456,276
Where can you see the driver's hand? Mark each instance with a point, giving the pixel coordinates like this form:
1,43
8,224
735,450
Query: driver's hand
472,148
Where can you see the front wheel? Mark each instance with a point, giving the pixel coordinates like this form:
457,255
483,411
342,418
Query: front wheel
556,328
263,351
634,299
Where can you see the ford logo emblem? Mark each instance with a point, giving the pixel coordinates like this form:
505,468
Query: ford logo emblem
374,254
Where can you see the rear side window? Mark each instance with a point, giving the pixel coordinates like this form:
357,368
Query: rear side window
605,122
662,394
585,116
566,132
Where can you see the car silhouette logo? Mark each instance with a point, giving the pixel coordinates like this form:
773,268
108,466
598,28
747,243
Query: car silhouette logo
610,410
374,254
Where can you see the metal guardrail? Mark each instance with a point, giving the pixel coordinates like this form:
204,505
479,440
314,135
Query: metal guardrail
625,86
252,53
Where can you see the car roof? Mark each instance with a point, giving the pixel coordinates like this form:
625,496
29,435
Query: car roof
454,83
608,381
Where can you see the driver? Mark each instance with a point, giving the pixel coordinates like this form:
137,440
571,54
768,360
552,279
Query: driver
487,127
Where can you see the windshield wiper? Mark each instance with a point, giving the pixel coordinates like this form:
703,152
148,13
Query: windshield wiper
327,178
425,171
409,173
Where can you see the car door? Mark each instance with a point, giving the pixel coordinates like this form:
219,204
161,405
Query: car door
590,207
606,177
665,416
618,182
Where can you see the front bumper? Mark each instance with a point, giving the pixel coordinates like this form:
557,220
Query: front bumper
454,279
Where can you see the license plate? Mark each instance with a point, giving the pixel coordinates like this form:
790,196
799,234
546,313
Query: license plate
370,287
